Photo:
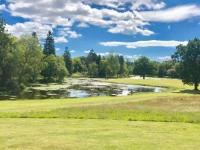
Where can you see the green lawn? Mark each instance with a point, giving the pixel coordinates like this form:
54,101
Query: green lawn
62,134
169,120
173,84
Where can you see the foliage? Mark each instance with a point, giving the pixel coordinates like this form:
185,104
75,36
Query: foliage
68,60
93,70
10,61
144,66
31,59
54,69
189,58
103,69
123,71
113,65
92,57
168,69
79,65
61,70
49,47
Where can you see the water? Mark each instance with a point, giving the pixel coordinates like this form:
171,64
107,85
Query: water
82,89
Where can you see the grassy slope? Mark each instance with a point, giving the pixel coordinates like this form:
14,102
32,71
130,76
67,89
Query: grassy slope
59,134
65,132
173,84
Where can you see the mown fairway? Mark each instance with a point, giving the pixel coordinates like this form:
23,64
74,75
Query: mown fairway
169,120
70,134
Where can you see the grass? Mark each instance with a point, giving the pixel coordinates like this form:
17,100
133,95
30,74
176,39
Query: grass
168,120
70,134
141,107
173,84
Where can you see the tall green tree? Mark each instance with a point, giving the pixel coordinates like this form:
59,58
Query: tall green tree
68,60
93,70
9,61
80,65
31,59
54,69
61,70
143,66
103,72
113,65
92,57
189,58
168,69
49,46
123,71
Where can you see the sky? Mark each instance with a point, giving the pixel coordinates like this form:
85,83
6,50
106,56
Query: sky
132,28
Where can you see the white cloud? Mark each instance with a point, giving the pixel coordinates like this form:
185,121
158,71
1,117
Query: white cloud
141,44
60,40
104,54
148,4
72,51
66,13
28,28
135,4
66,31
83,25
2,7
87,51
164,58
175,14
117,16
132,58
73,34
57,49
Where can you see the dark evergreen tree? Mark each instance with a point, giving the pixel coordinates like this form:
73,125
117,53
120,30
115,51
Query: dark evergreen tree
68,60
49,46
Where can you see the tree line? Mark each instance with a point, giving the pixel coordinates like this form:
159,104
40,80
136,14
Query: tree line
24,61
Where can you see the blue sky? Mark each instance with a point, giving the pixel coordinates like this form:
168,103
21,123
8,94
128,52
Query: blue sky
132,28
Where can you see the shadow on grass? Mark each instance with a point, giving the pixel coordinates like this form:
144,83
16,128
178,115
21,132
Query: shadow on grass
190,92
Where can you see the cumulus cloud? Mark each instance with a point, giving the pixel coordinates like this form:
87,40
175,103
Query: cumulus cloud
135,4
175,14
142,44
27,28
60,40
2,7
148,4
66,13
67,32
83,25
117,16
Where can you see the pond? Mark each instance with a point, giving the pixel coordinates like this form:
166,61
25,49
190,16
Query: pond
81,88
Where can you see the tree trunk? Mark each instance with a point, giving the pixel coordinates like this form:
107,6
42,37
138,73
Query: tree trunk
196,86
144,77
